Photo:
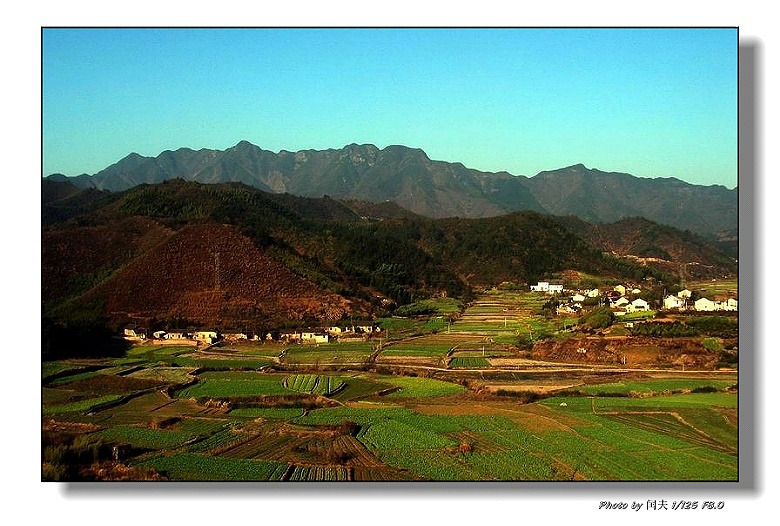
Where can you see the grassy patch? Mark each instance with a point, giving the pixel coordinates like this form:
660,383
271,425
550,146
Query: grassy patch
190,466
415,387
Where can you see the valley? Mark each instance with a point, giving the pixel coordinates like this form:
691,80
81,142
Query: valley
218,332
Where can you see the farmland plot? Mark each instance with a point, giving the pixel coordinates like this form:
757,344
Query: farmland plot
314,384
234,384
196,467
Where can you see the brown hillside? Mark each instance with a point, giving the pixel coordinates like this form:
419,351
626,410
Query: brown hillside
212,275
77,258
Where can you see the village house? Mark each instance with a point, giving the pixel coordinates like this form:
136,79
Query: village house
638,305
547,288
311,337
305,337
674,302
593,293
290,336
568,309
620,302
578,298
706,305
685,293
621,289
178,335
205,336
366,329
134,333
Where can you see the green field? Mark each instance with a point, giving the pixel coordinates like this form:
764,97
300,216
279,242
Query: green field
469,362
314,384
413,387
661,386
457,395
352,353
188,466
412,348
234,384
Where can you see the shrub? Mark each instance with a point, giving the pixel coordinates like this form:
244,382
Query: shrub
598,318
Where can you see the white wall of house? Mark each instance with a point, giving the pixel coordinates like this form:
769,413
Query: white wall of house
706,305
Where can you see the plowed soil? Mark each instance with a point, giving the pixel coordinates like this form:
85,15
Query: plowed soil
629,351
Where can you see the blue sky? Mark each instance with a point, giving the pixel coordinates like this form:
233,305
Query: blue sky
650,102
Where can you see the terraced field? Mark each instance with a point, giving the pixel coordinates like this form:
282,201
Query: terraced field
439,400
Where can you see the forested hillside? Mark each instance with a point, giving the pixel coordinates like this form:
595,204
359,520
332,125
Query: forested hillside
232,255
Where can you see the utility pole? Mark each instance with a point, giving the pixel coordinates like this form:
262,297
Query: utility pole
216,270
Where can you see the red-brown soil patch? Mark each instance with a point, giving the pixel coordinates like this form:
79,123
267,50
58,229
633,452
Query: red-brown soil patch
213,275
629,351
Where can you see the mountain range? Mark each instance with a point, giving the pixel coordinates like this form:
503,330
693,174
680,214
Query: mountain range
436,189
230,255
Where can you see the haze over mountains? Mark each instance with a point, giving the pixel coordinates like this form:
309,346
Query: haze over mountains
436,189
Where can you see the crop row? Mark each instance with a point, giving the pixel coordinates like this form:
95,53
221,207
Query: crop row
314,384
189,466
472,362
318,473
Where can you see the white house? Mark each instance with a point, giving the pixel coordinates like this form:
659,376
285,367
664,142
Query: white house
594,293
545,286
314,337
703,304
673,302
621,302
578,298
235,336
730,304
177,335
133,333
205,336
638,305
685,293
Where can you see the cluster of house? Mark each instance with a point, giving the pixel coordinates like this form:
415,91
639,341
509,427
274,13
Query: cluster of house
326,334
620,304
208,337
308,336
547,288
682,299
615,298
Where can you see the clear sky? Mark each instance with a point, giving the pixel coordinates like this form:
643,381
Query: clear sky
649,102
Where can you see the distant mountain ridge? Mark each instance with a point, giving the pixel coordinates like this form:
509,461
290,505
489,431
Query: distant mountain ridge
437,189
